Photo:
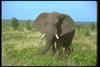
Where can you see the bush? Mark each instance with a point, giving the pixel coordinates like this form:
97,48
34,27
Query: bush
92,26
28,25
14,23
87,33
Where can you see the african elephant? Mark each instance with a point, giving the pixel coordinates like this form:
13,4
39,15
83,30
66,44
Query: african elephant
56,28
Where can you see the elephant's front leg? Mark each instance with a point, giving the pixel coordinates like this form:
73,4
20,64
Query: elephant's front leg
68,49
54,47
59,49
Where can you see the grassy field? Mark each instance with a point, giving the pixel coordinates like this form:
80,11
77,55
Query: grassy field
21,48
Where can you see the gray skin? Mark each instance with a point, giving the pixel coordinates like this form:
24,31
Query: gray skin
56,23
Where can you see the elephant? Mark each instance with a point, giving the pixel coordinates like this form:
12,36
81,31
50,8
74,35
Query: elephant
57,29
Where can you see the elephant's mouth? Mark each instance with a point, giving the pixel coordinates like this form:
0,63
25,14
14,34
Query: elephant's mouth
44,36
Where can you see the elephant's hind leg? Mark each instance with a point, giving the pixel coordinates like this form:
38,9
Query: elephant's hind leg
69,49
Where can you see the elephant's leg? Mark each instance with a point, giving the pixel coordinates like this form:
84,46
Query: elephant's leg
67,49
68,46
71,48
54,47
59,47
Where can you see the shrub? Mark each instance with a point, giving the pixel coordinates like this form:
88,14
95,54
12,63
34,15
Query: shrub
28,26
92,26
87,33
14,23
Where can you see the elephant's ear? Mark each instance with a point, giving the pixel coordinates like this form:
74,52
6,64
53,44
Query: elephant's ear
39,23
67,25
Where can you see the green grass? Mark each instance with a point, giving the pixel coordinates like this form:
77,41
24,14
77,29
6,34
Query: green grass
22,48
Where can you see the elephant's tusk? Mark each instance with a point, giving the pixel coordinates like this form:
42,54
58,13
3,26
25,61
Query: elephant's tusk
57,36
42,36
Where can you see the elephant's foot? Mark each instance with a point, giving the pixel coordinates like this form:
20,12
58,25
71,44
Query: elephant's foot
72,50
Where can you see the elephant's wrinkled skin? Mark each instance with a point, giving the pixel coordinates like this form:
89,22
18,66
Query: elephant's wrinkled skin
52,24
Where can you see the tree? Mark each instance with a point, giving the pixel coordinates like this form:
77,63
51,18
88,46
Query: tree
28,26
14,23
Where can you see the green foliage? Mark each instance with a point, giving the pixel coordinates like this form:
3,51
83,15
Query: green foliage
93,26
22,48
28,26
14,23
87,33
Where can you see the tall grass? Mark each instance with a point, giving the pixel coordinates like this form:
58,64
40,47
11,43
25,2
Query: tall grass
22,48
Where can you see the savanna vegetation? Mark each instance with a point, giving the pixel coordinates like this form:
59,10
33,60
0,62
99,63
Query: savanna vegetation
21,46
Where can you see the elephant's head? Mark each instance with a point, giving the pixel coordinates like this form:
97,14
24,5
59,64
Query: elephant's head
53,24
